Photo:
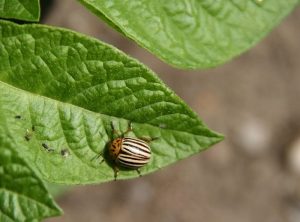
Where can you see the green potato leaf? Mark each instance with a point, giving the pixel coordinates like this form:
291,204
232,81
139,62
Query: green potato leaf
23,194
193,34
20,9
70,87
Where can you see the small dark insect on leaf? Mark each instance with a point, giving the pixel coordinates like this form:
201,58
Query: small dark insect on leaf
33,128
27,136
20,117
45,146
65,153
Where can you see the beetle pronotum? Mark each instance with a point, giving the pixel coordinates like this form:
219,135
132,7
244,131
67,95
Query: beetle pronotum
129,152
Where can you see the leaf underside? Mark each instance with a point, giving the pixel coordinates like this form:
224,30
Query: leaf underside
193,34
20,9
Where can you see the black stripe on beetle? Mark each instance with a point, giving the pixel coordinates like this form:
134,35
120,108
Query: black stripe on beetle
128,161
135,147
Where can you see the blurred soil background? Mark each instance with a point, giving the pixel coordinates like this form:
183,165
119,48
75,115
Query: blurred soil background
253,175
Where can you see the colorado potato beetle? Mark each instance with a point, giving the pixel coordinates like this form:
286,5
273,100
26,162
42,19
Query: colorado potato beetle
129,152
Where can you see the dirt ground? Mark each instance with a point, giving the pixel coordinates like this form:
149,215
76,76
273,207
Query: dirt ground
253,175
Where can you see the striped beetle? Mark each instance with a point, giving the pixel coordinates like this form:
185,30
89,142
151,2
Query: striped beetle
129,152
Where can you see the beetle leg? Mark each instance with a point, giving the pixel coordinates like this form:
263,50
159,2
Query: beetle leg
100,154
116,172
129,129
102,161
139,172
96,157
113,128
149,139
